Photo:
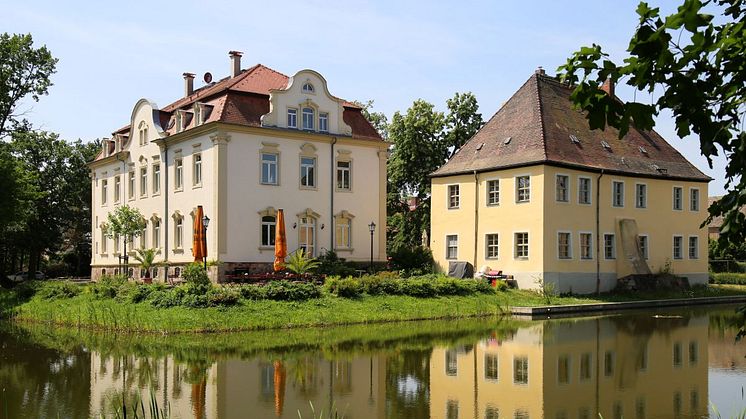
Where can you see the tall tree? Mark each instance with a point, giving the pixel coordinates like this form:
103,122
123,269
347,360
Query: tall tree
125,222
696,65
377,119
462,122
24,71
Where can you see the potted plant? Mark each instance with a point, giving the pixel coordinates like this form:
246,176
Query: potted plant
146,258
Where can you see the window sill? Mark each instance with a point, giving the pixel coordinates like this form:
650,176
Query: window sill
521,258
156,194
492,257
178,250
343,190
344,249
454,208
493,205
178,190
567,258
562,202
143,196
308,188
197,186
264,248
269,184
522,202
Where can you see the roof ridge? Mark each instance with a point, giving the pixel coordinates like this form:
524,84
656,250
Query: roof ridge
540,109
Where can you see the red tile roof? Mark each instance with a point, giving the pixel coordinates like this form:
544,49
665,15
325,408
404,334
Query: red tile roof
535,126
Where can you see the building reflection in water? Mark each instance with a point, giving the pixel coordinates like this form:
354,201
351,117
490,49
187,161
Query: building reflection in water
617,367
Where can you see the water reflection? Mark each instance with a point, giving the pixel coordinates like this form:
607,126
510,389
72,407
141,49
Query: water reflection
636,366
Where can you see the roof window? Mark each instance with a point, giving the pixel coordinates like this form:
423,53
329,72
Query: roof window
642,150
574,139
307,88
479,147
606,145
507,140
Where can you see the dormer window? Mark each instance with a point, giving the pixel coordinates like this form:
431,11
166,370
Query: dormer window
143,131
308,115
307,88
324,122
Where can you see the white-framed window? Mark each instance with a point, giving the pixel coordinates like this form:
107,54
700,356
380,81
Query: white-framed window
451,246
144,237
131,184
643,242
523,189
308,117
451,363
562,188
678,198
156,233
104,241
693,199
563,369
197,169
269,168
609,246
292,118
307,235
492,245
344,171
342,236
144,181
156,178
323,122
178,232
693,247
564,245
308,172
178,173
586,246
143,133
584,190
269,224
104,191
641,195
520,370
451,409
521,245
493,192
617,193
307,88
491,364
678,244
116,243
453,196
586,366
117,188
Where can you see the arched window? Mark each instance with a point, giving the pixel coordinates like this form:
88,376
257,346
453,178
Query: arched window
307,88
308,117
268,230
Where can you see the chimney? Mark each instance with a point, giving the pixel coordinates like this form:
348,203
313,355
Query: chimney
608,87
235,62
188,84
540,71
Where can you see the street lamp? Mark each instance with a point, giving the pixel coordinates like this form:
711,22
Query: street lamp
205,223
372,228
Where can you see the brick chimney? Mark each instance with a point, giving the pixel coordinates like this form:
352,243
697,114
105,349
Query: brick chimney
608,87
235,62
188,84
540,71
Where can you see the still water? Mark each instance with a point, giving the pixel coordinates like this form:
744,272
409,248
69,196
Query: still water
632,365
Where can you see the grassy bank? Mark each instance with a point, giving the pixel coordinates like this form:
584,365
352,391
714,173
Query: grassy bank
85,309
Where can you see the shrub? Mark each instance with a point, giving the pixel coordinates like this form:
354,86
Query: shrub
501,286
252,292
195,275
166,298
25,290
221,296
194,301
291,291
417,260
344,287
59,290
133,293
107,286
331,264
418,287
301,263
380,285
728,278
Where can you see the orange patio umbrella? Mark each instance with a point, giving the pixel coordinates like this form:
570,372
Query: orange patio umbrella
279,379
199,244
281,242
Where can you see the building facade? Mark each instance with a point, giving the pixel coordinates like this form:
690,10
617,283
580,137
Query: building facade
538,195
242,148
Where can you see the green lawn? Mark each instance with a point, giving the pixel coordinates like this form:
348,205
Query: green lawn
87,311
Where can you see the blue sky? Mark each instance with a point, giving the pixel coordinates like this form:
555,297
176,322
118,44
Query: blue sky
114,53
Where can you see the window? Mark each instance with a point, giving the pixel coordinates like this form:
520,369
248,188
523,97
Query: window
451,363
156,178
453,196
156,233
563,369
491,367
307,235
493,192
144,238
307,172
452,409
143,181
643,241
694,399
269,168
617,194
104,240
609,246
563,183
608,363
642,359
585,366
520,414
491,412
343,175
307,88
640,408
451,246
693,352
178,173
131,184
521,245
117,188
197,169
492,246
693,199
116,243
143,133
641,195
178,232
324,122
104,191
677,198
292,118
268,230
342,239
563,245
520,370
308,115
584,190
523,189
693,247
677,354
586,246
678,243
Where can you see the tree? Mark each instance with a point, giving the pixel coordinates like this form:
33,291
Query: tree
125,222
24,70
696,63
462,122
146,259
377,119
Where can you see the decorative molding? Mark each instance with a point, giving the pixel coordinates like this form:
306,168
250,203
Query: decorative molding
268,212
308,212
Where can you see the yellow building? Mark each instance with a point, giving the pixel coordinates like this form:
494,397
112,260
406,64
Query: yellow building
538,195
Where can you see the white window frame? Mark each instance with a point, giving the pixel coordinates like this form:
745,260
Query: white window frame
270,227
323,121
696,247
524,360
613,246
526,245
590,245
491,364
156,168
308,117
449,247
307,172
292,118
454,199
488,246
681,247
178,173
131,184
104,191
104,241
525,189
644,195
156,231
197,170
681,198
310,225
614,184
569,245
117,189
493,193
308,88
694,202
269,164
342,233
178,233
590,190
646,249
143,181
557,177
342,173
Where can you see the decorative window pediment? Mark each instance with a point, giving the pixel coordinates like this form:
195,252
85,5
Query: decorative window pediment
268,212
308,212
344,214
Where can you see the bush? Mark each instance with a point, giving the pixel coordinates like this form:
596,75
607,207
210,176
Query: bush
59,290
221,296
195,275
107,286
728,278
252,292
291,291
380,284
344,287
331,264
166,298
418,287
194,301
424,286
412,261
134,293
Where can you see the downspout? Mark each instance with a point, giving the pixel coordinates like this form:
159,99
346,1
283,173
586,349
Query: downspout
165,208
598,232
121,198
476,217
331,193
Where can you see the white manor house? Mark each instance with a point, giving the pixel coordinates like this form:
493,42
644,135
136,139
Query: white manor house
243,147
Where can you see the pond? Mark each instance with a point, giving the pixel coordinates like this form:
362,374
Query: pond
654,364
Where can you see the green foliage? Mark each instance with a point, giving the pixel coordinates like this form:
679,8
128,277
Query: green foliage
728,278
412,260
331,264
377,119
146,258
125,221
344,287
168,297
107,286
695,63
195,275
59,290
425,286
222,296
462,122
300,263
291,291
726,251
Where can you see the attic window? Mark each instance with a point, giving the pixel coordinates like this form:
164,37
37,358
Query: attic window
642,150
661,170
574,139
479,147
307,88
606,145
507,140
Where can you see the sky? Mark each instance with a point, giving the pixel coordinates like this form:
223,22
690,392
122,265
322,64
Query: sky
111,54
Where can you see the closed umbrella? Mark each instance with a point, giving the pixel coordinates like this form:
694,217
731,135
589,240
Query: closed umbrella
198,238
281,243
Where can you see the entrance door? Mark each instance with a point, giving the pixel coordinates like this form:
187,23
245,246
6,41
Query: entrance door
307,235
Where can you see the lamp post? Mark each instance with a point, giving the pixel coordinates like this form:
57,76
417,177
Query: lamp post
372,228
205,222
